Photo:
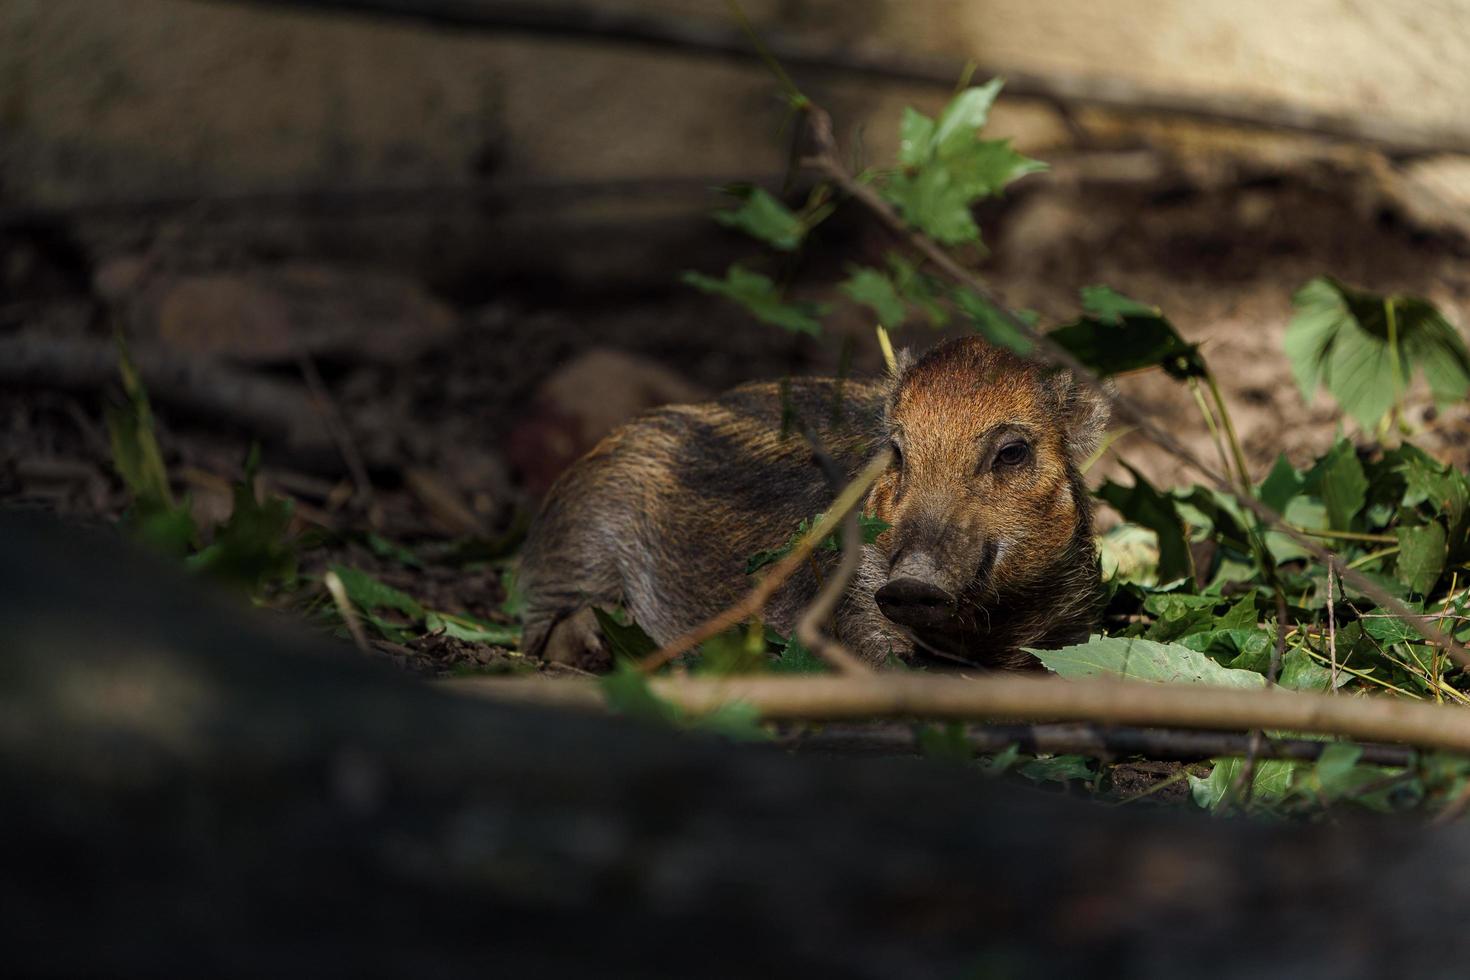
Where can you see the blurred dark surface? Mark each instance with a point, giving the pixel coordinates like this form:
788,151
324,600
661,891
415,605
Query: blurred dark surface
191,787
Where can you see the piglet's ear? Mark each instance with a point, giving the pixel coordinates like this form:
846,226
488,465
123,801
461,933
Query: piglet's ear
1085,412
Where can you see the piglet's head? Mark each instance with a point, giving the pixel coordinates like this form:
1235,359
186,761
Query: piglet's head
984,492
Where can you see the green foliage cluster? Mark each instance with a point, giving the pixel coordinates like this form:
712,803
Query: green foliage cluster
944,168
252,548
1198,589
1364,349
257,548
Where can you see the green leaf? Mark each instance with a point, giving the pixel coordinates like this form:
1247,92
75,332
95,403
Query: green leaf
1126,658
797,659
1300,672
154,518
1333,770
991,324
1109,306
253,547
372,595
1270,781
627,642
966,113
1421,556
876,291
384,548
514,605
1001,761
1118,334
735,651
1058,769
738,721
1179,614
933,201
945,743
758,294
984,168
1427,481
1338,479
1144,505
628,694
471,629
1319,317
915,137
1339,339
947,168
1302,512
1281,485
762,216
1436,348
918,288
135,451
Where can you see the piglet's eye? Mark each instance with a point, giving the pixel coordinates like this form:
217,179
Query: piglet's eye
1013,454
897,455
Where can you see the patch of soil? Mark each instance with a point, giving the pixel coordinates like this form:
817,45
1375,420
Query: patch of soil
432,419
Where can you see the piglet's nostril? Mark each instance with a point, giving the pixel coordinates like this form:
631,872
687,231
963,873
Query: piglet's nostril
913,602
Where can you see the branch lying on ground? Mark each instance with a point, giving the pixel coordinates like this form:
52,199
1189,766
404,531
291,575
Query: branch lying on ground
264,406
705,37
1021,698
827,162
1102,741
756,599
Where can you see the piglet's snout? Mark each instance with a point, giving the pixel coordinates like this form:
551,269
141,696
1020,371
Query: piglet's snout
912,596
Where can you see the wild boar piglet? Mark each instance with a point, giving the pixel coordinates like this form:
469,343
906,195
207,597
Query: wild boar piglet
989,548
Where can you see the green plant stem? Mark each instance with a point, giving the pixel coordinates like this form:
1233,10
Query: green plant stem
1362,560
1234,441
1393,360
1255,534
793,94
1209,417
1345,535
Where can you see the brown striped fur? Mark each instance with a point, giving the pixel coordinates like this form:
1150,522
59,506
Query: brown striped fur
663,514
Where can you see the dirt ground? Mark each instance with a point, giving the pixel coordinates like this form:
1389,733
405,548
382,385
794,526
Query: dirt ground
465,388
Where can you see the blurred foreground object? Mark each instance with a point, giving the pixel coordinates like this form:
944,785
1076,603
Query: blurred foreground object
193,788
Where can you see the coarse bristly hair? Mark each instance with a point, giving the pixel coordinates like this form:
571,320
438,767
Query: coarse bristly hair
663,515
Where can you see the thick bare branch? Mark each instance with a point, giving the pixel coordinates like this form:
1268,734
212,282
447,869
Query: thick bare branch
1026,698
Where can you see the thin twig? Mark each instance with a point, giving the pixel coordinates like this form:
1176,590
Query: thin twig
827,162
1101,741
1244,786
809,627
1331,630
337,427
757,598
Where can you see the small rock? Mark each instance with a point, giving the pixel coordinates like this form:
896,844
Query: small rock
583,401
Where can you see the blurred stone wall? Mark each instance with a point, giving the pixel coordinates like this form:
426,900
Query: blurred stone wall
103,100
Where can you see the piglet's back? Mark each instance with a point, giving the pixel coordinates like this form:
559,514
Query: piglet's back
663,515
